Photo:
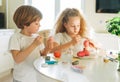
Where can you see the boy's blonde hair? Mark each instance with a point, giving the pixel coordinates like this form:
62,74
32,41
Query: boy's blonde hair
64,18
25,15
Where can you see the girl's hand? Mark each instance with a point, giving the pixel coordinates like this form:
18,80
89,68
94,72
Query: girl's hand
38,40
76,39
90,43
48,47
50,43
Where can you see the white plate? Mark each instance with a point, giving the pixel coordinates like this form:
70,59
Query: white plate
86,57
77,68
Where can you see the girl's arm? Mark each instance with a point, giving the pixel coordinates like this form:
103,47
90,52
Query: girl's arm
92,43
75,40
58,47
52,46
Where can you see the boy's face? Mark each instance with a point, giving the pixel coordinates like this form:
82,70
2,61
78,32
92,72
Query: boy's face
34,26
73,25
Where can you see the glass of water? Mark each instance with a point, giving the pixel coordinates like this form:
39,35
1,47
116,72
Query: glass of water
66,56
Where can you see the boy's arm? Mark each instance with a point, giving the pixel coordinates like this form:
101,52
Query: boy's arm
21,55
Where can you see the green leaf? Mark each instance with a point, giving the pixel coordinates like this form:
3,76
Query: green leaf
113,26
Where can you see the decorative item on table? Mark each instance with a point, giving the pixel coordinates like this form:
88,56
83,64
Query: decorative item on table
106,60
49,61
75,62
78,68
83,53
110,56
88,50
47,58
57,54
113,27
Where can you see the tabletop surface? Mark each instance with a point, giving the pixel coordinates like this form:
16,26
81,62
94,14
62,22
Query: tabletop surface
95,70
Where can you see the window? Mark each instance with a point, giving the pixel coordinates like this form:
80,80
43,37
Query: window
105,6
69,3
51,8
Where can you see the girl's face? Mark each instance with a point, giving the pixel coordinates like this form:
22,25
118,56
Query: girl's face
33,27
73,25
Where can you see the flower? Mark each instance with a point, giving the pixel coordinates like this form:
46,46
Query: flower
113,26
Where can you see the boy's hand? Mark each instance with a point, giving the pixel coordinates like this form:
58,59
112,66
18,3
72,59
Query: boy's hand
38,40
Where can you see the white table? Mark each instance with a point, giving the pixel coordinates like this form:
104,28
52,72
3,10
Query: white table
96,71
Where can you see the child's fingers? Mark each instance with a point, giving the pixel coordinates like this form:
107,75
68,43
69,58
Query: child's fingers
38,40
51,39
50,42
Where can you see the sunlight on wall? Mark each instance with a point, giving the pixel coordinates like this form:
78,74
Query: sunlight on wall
0,2
69,3
49,8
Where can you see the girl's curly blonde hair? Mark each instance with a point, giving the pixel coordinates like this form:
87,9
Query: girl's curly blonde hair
64,18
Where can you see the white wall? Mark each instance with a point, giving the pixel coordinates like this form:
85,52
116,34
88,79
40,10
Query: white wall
97,20
12,6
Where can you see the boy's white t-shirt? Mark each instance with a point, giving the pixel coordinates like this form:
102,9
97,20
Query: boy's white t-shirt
24,71
62,38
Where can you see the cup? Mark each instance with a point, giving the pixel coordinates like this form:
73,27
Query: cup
67,56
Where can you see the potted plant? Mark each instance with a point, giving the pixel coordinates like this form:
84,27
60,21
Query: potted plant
113,27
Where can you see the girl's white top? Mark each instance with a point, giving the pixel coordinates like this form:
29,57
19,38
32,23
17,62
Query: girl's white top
62,38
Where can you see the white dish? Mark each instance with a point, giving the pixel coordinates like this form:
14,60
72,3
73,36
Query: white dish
86,57
77,68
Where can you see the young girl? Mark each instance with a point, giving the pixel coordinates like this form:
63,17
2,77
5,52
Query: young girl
24,45
71,31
